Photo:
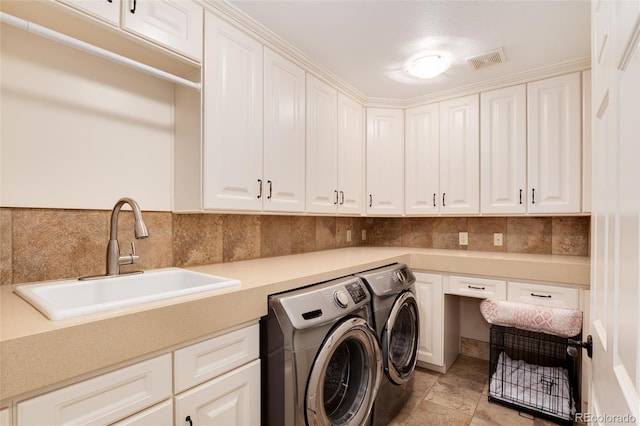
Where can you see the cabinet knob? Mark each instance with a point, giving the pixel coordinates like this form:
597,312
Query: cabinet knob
341,197
521,196
188,419
335,201
533,195
444,194
370,200
259,188
133,8
434,199
270,189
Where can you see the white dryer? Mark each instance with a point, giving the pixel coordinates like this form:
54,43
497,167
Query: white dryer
321,362
396,321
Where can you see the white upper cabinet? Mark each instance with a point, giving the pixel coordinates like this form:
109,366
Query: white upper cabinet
322,147
106,10
422,160
503,150
284,135
385,161
174,24
350,156
459,156
335,150
554,145
232,120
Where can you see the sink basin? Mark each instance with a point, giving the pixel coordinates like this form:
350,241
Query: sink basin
67,299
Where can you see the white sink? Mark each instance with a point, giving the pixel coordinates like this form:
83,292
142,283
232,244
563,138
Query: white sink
66,299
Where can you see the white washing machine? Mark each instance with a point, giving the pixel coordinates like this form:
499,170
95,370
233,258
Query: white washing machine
396,321
321,362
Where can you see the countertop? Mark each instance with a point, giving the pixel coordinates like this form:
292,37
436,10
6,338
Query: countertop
37,354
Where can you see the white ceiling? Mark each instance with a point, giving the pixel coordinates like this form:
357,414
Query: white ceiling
367,43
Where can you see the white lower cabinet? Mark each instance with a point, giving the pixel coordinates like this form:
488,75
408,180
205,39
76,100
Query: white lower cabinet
547,295
5,419
231,399
216,381
430,307
158,415
104,399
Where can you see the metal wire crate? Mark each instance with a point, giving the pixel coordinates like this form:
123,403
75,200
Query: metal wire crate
532,372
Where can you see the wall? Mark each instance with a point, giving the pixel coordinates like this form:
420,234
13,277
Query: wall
78,131
44,244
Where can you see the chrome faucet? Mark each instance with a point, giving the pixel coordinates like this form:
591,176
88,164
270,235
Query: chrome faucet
114,260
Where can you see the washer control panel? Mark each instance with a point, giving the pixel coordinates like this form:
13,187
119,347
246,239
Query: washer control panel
341,297
356,291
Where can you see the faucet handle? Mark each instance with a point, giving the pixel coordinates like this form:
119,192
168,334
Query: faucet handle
130,259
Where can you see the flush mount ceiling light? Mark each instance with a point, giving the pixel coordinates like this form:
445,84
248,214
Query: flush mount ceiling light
428,66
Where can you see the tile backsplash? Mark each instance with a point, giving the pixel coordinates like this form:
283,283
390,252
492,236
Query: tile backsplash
44,244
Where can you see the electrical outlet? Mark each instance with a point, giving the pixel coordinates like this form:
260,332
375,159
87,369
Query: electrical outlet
348,235
364,234
463,238
497,239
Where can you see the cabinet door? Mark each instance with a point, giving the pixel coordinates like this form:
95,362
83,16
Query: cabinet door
459,156
322,147
232,142
554,160
385,161
430,308
175,24
284,161
106,10
503,150
230,400
350,156
422,162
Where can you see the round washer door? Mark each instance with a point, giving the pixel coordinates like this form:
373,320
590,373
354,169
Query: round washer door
345,376
400,339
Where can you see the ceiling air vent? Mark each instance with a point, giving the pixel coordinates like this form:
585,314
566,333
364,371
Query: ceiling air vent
490,58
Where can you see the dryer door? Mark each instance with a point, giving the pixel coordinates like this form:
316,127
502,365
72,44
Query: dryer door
400,339
345,376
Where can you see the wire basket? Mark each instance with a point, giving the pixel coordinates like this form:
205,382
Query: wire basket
532,372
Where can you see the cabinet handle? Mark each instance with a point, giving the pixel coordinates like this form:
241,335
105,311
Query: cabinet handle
444,194
341,197
133,10
188,419
434,199
545,296
259,188
472,287
110,1
533,195
370,200
270,190
521,196
335,201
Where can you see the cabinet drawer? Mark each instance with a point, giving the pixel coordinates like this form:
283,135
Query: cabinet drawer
103,399
547,295
198,363
161,414
476,287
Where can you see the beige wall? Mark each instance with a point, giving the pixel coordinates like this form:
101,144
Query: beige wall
77,131
44,244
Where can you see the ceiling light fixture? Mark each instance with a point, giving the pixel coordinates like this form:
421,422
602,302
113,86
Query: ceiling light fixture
428,66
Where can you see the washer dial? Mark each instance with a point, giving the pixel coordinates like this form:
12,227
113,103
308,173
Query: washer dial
341,297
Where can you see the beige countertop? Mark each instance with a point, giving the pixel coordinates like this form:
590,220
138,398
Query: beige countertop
37,354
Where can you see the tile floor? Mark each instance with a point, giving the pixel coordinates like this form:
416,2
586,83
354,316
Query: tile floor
458,398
